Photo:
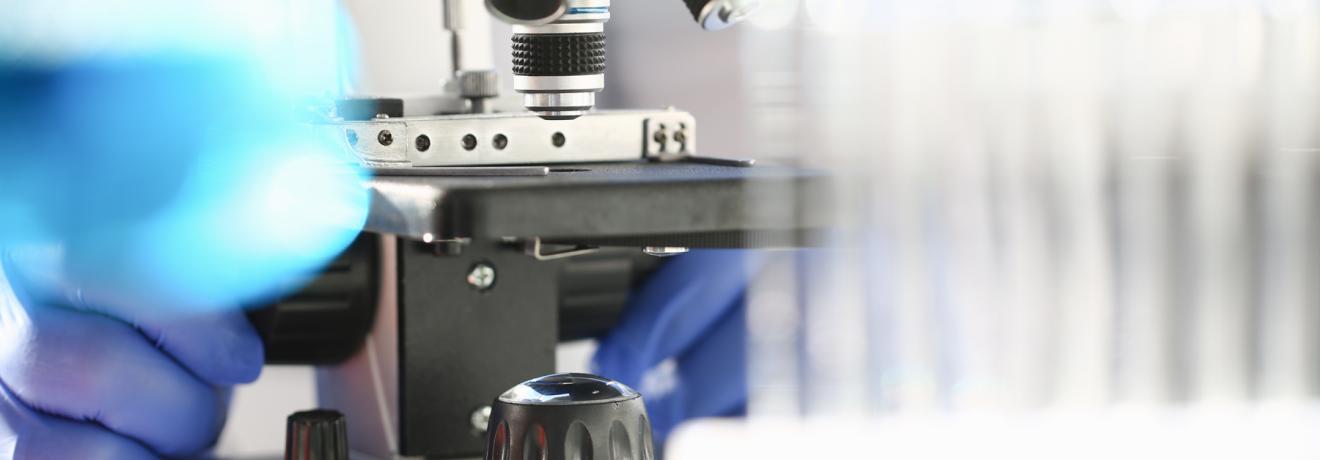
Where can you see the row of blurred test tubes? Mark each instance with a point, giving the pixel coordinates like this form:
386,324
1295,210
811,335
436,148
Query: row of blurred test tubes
1112,204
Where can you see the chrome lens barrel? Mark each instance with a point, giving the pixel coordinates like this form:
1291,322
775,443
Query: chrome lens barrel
560,66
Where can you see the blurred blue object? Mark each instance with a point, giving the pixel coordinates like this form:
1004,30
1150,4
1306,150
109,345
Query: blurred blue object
681,341
173,174
156,174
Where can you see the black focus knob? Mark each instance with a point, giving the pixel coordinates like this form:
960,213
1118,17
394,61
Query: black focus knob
316,435
327,321
569,417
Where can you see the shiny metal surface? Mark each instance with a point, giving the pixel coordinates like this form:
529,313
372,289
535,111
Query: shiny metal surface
568,389
561,28
528,139
533,84
481,277
465,171
560,106
664,251
537,250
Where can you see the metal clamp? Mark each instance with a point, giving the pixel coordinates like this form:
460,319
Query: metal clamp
537,250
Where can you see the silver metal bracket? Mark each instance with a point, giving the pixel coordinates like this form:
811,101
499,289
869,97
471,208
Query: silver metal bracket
670,135
518,139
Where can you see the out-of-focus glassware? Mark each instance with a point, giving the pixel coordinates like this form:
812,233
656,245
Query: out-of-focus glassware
157,152
1047,206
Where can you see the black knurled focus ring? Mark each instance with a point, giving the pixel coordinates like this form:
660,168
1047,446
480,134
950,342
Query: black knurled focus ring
558,54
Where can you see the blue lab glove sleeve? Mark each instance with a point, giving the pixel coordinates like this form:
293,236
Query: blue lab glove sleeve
83,378
681,341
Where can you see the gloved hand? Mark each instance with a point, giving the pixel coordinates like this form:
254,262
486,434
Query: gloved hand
681,341
85,378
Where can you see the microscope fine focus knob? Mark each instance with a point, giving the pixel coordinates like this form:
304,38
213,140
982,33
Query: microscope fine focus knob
316,435
569,417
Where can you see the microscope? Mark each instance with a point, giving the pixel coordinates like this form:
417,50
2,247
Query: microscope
497,231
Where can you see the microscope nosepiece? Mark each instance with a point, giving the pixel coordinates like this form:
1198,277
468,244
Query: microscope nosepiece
560,66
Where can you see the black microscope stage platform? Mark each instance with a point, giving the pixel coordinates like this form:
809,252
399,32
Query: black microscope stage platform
606,204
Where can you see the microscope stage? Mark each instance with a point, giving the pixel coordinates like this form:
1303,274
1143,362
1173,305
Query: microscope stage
637,204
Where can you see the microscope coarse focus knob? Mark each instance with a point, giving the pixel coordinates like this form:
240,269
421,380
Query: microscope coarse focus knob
569,417
316,435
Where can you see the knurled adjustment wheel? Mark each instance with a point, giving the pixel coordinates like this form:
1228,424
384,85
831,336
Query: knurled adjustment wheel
569,417
558,54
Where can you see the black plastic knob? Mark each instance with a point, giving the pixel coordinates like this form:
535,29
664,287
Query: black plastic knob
569,417
696,7
316,435
527,11
327,321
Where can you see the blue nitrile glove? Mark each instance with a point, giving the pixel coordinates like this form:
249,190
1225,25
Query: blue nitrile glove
82,377
681,341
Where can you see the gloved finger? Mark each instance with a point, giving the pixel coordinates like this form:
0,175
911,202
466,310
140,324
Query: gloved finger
708,380
108,373
675,308
26,434
221,347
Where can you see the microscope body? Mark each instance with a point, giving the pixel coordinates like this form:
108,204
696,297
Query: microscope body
501,226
